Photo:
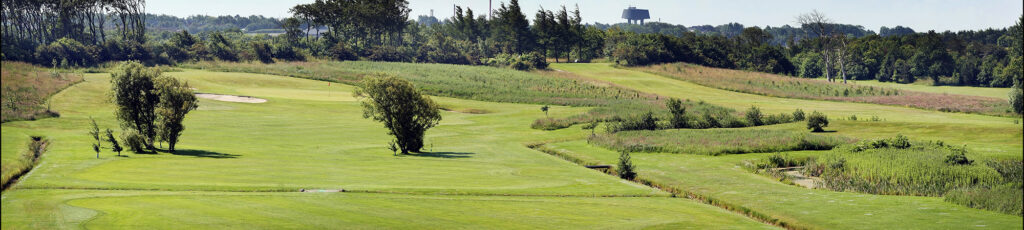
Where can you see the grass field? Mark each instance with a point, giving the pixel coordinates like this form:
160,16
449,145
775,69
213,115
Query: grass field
993,92
312,136
716,141
241,165
802,88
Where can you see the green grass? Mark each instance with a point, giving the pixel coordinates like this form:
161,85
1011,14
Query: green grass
312,136
715,141
722,178
790,87
998,93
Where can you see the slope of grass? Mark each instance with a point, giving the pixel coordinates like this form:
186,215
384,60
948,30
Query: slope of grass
312,136
790,87
715,141
723,179
997,93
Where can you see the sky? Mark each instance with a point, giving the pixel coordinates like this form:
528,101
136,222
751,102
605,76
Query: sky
921,15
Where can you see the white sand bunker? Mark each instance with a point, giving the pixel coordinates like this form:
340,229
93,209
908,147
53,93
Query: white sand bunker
231,98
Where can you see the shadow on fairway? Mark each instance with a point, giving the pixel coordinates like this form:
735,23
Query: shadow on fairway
203,153
443,154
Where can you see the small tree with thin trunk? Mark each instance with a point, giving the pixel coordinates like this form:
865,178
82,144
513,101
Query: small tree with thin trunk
545,109
95,134
675,107
114,145
626,169
816,121
176,100
404,111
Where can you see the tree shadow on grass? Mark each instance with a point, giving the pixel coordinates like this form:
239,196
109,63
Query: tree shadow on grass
202,153
443,154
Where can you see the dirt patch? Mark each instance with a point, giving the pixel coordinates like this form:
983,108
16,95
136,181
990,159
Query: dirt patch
231,98
799,178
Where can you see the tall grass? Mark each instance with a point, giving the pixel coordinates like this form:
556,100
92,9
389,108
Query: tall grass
716,141
26,89
919,169
790,87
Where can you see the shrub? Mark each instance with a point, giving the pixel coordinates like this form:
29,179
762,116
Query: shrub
816,121
342,52
645,121
798,115
754,116
136,142
679,119
625,168
958,158
263,52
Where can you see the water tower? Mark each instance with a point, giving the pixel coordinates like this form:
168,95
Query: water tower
632,15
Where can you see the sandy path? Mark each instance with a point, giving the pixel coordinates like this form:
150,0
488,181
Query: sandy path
231,98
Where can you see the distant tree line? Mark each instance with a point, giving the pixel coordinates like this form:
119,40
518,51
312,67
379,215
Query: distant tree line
73,35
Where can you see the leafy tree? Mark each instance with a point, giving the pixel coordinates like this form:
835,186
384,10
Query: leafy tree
399,105
675,107
176,100
798,115
545,109
816,121
135,95
626,169
114,145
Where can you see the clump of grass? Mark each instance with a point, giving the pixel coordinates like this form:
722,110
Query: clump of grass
716,141
26,89
897,166
790,87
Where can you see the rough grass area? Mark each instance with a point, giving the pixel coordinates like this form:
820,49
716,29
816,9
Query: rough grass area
715,141
458,81
790,87
922,169
26,89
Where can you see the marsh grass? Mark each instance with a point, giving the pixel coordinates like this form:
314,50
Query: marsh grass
26,89
790,87
716,141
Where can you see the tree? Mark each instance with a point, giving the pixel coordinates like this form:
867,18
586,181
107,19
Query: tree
95,134
399,105
817,23
816,121
176,100
1015,68
136,98
675,107
545,110
114,145
626,169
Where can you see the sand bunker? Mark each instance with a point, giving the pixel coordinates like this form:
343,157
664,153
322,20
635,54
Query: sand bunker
231,98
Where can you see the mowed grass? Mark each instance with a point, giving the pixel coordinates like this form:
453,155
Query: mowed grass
121,209
243,163
791,87
993,92
724,179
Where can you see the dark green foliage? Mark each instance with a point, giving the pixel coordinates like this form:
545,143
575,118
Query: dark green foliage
399,105
176,100
342,52
678,118
136,142
645,121
518,61
94,132
816,121
715,141
263,52
958,158
625,168
754,116
114,145
136,97
545,110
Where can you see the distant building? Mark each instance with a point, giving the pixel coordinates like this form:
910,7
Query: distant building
633,15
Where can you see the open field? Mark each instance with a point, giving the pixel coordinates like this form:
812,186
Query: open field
993,92
802,88
311,136
724,179
716,141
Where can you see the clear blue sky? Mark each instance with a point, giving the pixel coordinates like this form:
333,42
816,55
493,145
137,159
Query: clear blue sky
921,15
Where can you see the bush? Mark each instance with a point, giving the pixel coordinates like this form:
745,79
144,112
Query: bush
342,52
645,121
529,61
399,105
958,158
798,115
679,119
754,116
816,121
626,169
135,141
